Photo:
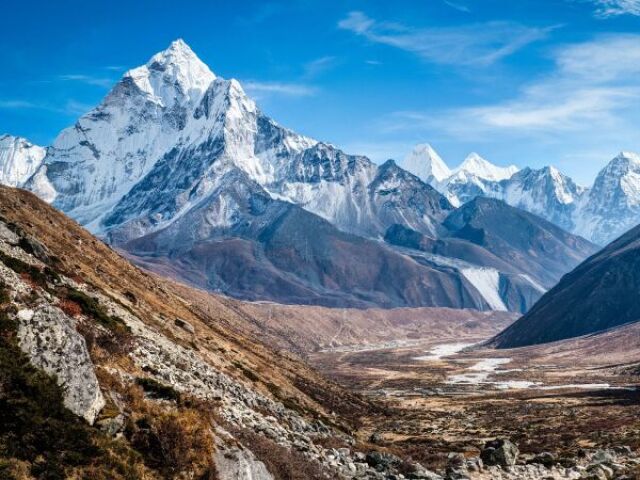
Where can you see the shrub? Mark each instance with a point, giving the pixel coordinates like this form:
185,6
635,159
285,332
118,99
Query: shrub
280,461
247,373
30,272
174,443
158,390
70,307
92,308
4,294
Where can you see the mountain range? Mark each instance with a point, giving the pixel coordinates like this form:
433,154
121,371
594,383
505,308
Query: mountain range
599,213
180,169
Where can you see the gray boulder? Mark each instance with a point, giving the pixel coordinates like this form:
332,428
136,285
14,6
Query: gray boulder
52,343
500,452
186,326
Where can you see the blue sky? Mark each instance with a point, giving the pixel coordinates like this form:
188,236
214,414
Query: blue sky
530,82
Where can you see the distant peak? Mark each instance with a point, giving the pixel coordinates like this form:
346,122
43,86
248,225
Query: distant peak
424,148
629,155
478,166
180,45
177,52
424,162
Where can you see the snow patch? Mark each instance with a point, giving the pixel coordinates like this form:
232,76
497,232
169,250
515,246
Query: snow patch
487,282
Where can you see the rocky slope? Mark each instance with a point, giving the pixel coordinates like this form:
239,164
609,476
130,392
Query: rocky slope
599,294
166,389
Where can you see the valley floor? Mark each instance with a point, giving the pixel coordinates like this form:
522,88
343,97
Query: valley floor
452,395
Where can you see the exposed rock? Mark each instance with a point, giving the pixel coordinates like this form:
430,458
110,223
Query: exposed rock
183,324
500,452
35,248
236,463
381,461
457,467
111,426
50,339
545,458
602,456
8,235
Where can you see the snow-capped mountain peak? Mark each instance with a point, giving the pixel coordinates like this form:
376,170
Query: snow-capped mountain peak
425,163
478,166
176,68
19,158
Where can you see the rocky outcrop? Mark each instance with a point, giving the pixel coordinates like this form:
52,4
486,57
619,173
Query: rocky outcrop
235,462
50,339
500,452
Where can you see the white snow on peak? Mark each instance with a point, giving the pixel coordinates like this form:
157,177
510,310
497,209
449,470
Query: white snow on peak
177,67
19,159
425,163
478,166
627,155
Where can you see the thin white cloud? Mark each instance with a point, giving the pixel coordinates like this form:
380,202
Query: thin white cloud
17,105
279,88
318,66
595,85
614,8
457,6
88,79
71,107
478,44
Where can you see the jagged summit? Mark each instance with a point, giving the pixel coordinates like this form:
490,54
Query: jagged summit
177,67
478,166
424,162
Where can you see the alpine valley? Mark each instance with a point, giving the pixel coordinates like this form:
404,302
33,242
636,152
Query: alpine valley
191,291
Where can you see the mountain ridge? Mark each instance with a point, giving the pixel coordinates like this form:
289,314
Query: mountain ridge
176,154
599,213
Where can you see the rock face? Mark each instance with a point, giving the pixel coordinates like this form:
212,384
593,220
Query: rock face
236,462
600,293
500,452
50,339
527,242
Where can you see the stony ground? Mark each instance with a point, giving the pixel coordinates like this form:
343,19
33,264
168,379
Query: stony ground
544,401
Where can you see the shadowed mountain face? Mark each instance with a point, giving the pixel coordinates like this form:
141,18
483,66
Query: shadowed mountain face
487,238
599,294
527,242
276,250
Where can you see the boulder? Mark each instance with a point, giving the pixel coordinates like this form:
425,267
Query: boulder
602,456
186,326
421,473
456,467
382,461
547,459
500,452
49,338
